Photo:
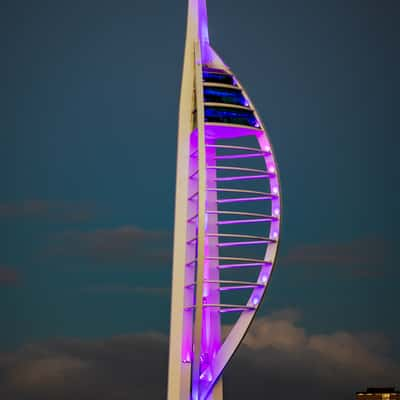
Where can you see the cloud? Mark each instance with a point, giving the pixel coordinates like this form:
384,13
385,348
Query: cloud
364,257
49,211
279,359
121,367
360,354
50,370
127,245
8,275
121,289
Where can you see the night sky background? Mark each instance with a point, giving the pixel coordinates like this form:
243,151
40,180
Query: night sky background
89,95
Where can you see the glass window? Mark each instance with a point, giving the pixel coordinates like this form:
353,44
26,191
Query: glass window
227,115
224,95
217,76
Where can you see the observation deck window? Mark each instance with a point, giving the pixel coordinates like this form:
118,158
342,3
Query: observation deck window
224,95
216,76
227,115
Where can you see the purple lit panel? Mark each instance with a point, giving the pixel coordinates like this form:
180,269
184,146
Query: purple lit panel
192,218
236,309
244,243
245,221
239,156
239,287
244,199
242,178
242,265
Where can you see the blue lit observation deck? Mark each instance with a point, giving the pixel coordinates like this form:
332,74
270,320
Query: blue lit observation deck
224,101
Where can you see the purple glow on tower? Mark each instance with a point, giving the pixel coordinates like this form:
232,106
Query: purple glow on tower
215,192
242,178
244,243
244,199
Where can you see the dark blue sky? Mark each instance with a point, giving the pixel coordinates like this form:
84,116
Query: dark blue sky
89,98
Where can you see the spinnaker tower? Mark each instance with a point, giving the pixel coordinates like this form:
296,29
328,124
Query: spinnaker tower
227,218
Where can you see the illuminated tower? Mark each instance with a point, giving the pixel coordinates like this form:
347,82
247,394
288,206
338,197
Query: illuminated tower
227,218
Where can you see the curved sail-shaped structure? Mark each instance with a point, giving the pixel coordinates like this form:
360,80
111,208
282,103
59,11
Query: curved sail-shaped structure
227,218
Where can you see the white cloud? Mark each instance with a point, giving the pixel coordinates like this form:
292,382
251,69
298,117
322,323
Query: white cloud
278,359
357,354
50,370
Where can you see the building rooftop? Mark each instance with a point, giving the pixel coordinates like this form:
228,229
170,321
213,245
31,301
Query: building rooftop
372,390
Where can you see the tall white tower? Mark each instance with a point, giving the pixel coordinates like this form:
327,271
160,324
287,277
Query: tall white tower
227,218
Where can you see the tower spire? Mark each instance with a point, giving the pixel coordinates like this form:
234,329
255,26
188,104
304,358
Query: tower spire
202,22
198,24
197,31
